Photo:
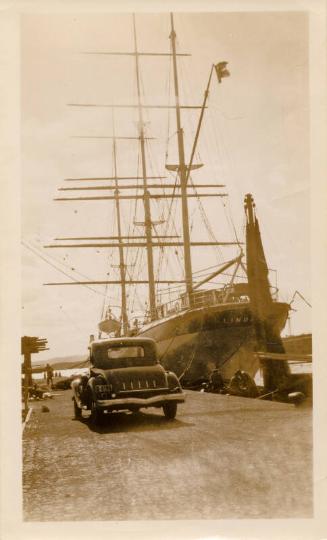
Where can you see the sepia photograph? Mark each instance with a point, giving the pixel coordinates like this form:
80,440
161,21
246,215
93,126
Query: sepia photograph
165,369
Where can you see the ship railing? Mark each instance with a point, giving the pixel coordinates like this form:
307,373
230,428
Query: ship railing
205,298
196,300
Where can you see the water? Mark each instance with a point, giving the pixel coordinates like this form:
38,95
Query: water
63,373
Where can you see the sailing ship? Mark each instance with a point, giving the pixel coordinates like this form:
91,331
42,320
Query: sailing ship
202,327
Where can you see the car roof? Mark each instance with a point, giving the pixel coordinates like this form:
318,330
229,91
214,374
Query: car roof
136,341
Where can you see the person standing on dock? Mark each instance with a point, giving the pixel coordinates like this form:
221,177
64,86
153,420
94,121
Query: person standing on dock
49,372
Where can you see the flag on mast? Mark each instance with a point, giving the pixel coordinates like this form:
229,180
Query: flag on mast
221,70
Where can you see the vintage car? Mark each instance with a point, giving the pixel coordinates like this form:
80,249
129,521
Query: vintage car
125,374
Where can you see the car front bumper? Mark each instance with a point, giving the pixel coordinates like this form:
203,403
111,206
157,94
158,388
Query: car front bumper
131,402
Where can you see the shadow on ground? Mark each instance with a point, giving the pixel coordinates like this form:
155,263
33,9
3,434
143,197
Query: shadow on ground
129,422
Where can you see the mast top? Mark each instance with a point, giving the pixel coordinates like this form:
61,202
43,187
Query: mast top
249,206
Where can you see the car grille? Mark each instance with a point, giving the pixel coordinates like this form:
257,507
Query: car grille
139,384
148,380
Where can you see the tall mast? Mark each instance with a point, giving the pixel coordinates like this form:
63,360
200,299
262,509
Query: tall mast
122,266
147,210
182,170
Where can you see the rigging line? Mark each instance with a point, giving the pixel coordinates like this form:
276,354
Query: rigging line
218,139
168,266
203,213
49,256
172,207
195,348
225,150
135,289
136,202
187,89
207,223
170,222
212,136
167,348
36,252
160,252
231,222
301,296
59,269
199,272
109,257
73,321
174,289
222,274
219,151
133,207
179,251
212,127
139,255
153,166
192,218
163,204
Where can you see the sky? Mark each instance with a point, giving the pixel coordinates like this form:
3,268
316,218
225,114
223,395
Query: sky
256,140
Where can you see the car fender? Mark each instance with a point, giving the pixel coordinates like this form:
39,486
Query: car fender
75,385
172,380
91,386
92,383
81,389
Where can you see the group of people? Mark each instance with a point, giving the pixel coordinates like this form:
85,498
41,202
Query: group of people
241,384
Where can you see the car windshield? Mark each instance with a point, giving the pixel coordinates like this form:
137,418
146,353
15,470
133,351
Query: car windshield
125,352
109,357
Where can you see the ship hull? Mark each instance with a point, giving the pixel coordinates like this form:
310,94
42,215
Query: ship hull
194,342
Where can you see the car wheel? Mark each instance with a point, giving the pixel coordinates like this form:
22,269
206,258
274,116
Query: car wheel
96,414
77,410
170,410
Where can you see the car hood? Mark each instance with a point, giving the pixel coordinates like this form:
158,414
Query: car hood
135,378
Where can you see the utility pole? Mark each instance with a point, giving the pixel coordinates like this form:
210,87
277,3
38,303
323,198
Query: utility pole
30,345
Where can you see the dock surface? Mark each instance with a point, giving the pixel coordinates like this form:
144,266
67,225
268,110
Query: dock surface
223,457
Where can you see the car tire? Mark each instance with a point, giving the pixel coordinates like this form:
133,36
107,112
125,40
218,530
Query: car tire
170,410
96,414
77,411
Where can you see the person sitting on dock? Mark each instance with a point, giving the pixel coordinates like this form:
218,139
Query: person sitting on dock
216,381
242,384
